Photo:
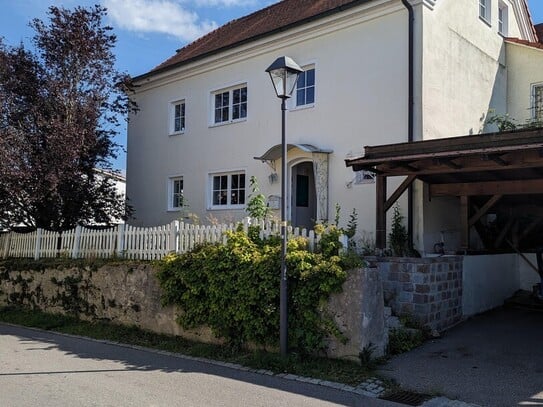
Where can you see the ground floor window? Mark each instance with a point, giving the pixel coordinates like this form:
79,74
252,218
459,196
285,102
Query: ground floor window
227,190
175,193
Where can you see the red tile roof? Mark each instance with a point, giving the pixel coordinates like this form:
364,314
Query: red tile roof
272,19
524,42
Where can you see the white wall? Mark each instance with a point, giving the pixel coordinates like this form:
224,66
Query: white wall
487,281
524,69
361,99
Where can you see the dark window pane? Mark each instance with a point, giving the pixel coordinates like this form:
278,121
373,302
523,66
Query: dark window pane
218,99
241,198
235,181
300,97
224,181
244,94
225,114
310,77
242,180
302,191
243,110
310,96
218,117
234,198
301,80
236,95
235,112
216,183
182,109
225,98
177,124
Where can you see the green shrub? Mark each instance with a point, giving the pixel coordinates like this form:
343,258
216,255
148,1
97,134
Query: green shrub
234,289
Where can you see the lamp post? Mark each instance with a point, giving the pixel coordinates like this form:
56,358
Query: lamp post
284,74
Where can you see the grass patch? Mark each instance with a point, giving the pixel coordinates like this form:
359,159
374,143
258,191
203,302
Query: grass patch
342,371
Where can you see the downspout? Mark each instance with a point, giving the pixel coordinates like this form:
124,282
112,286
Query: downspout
411,110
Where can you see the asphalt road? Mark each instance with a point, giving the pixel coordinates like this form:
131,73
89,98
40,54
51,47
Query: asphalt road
39,368
493,360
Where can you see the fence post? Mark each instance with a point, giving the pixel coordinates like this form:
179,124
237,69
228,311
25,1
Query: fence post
77,242
120,239
174,236
7,243
344,240
38,244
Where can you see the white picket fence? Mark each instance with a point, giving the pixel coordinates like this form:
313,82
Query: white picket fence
131,242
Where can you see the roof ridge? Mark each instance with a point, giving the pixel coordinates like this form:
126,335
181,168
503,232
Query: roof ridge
278,16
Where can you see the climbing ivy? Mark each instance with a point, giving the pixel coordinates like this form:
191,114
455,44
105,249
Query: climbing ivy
234,289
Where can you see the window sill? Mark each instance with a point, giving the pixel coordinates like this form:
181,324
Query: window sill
227,123
302,107
174,209
484,20
176,133
226,207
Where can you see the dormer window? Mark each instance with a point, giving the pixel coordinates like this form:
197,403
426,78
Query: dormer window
484,10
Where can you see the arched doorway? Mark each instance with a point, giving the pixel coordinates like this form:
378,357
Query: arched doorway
303,195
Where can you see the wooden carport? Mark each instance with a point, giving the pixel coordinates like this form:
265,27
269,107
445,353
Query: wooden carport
502,172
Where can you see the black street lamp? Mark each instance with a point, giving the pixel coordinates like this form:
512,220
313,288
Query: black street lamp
284,75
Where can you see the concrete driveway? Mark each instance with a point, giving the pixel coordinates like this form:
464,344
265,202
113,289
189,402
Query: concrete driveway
494,360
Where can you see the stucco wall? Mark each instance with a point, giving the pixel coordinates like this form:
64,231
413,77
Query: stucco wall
361,99
130,294
524,70
488,281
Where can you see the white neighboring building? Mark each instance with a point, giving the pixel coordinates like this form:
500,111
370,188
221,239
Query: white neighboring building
208,111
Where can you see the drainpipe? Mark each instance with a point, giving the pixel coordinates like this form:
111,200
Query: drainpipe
411,110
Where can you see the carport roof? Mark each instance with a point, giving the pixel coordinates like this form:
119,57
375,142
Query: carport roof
505,156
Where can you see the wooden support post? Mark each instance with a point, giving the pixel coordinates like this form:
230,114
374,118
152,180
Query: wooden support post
464,222
381,215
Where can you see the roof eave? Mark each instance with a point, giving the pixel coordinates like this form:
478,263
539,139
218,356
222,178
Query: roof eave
307,20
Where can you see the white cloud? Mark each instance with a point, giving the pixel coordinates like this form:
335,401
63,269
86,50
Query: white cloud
159,16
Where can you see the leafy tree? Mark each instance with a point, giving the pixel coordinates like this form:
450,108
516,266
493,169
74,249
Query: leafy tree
60,109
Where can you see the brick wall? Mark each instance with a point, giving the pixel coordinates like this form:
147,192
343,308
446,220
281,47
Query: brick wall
429,289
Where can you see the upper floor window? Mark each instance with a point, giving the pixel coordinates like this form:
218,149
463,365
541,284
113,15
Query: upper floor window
502,19
227,190
537,102
177,117
230,104
175,193
305,88
484,10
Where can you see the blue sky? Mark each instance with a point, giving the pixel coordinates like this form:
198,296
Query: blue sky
148,31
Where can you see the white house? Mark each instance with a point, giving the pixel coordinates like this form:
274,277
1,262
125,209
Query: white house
376,72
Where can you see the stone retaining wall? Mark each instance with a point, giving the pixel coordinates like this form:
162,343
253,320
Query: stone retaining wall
429,289
129,293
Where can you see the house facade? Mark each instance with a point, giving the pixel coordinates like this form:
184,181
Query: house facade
209,119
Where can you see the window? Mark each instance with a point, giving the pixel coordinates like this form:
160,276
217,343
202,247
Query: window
227,190
484,10
230,105
177,117
364,177
537,102
175,193
305,88
502,19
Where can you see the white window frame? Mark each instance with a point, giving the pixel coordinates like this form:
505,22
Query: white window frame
296,104
171,193
363,177
537,114
230,106
211,189
485,14
172,117
503,19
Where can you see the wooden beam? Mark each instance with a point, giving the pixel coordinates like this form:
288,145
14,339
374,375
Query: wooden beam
464,222
480,212
504,231
518,187
498,160
399,191
380,216
526,231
